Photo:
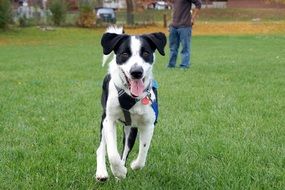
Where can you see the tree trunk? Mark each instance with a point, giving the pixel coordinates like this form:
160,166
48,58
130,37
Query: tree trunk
99,3
130,12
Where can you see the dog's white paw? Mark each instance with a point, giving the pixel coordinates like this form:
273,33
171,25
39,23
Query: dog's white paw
119,170
136,165
102,175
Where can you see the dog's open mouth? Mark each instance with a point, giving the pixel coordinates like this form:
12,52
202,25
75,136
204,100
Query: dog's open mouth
136,86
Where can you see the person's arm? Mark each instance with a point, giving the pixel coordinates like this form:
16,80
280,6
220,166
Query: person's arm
195,11
194,15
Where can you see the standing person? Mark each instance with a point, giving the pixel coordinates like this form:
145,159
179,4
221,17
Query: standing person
181,30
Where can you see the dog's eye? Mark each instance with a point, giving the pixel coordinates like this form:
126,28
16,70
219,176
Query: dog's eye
125,55
145,54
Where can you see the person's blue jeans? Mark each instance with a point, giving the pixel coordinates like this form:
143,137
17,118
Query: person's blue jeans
177,36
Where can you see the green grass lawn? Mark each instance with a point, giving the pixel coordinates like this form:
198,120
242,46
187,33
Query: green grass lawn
221,123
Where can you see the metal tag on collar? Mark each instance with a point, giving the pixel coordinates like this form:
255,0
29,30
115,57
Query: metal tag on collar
146,99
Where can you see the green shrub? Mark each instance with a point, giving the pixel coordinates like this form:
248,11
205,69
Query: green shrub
26,22
86,15
5,13
58,9
23,21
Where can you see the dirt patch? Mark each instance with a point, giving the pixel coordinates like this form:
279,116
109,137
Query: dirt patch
201,28
222,28
254,4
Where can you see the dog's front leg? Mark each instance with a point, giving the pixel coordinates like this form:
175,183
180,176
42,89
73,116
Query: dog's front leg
101,171
117,166
145,135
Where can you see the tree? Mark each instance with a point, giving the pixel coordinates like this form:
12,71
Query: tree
98,3
130,11
207,3
5,13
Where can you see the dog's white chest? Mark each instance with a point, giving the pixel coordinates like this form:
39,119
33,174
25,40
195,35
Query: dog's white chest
142,114
139,109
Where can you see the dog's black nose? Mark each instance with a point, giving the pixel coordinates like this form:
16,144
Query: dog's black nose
136,72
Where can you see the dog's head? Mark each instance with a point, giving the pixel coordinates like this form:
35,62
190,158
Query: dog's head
134,57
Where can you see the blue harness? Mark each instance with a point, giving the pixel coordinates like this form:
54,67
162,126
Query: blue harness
154,104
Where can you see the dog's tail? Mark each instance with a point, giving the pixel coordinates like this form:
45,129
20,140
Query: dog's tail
116,30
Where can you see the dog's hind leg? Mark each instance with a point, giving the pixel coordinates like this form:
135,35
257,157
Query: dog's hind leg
101,171
130,134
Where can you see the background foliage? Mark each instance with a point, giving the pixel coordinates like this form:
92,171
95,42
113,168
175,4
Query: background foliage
58,9
86,14
5,13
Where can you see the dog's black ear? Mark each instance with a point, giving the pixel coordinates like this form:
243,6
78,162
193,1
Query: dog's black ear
110,42
157,40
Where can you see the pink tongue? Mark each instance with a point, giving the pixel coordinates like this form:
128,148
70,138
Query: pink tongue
137,87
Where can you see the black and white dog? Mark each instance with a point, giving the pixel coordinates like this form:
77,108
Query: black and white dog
129,96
